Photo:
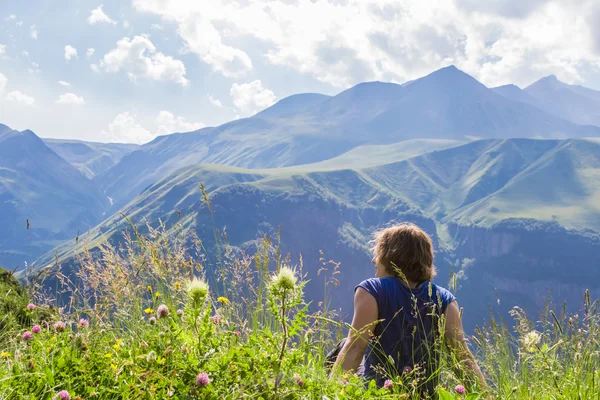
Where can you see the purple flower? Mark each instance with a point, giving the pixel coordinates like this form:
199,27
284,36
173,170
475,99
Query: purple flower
31,306
180,312
152,320
26,336
84,323
388,384
63,395
237,333
36,329
407,370
60,326
460,389
162,311
202,379
216,319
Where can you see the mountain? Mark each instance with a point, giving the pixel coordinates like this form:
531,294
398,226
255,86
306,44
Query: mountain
446,105
487,204
574,103
88,157
38,186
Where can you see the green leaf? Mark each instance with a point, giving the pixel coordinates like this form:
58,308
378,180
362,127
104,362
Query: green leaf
444,395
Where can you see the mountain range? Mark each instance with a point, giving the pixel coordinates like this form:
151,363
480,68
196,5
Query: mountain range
504,179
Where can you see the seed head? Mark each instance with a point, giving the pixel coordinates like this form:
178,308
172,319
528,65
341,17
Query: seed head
197,290
285,279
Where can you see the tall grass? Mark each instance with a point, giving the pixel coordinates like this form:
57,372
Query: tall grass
251,336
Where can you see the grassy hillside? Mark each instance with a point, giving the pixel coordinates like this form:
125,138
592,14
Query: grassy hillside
459,195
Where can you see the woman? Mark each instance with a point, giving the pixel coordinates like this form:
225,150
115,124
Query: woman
396,323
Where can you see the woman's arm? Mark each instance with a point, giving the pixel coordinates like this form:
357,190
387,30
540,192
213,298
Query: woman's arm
363,324
455,337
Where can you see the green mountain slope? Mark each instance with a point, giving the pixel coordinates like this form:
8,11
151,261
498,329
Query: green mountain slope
449,192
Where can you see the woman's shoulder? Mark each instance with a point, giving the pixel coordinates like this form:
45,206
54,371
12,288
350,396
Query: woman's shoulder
444,295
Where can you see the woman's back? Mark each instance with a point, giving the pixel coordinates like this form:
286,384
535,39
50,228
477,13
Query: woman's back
408,328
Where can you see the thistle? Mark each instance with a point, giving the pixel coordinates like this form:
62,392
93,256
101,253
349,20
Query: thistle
197,290
285,279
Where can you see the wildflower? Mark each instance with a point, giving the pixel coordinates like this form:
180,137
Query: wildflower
216,319
63,395
152,320
116,346
298,380
26,336
177,285
108,355
407,370
31,306
5,354
60,326
531,340
285,279
157,294
202,379
237,333
149,310
36,329
149,289
180,312
84,323
460,389
113,366
162,311
151,356
197,290
223,300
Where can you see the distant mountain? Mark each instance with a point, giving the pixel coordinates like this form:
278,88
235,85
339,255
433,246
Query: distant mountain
574,103
488,205
447,104
88,157
38,186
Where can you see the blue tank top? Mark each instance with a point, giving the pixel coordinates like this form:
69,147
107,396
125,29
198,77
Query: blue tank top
409,330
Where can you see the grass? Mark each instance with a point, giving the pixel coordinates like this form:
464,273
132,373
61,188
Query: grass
136,327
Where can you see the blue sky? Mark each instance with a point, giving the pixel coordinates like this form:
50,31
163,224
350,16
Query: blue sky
161,66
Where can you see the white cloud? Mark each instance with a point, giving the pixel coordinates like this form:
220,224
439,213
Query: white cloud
345,42
21,98
139,58
126,128
33,32
95,68
70,52
11,17
70,98
64,83
24,53
125,24
90,52
2,49
215,102
251,97
98,16
3,83
156,27
167,123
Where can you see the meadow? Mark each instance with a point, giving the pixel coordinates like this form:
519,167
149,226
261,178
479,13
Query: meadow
155,317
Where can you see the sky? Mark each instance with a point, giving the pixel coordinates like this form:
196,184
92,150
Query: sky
130,70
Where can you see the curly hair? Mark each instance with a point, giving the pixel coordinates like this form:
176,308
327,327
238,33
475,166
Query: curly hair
405,249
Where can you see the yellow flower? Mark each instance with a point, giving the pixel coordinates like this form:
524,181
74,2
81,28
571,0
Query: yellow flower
108,355
5,354
149,310
157,294
177,285
149,289
113,366
116,347
120,341
161,361
223,300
